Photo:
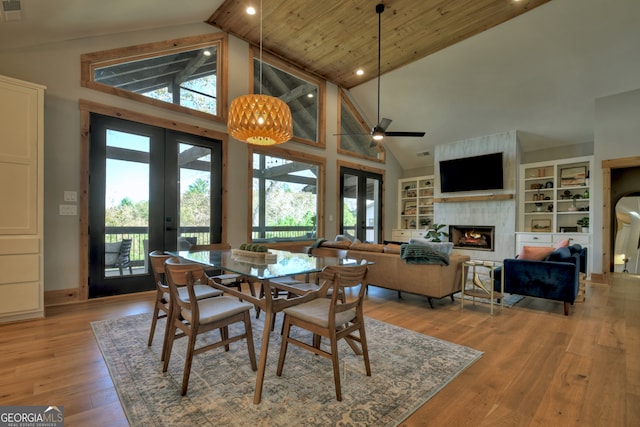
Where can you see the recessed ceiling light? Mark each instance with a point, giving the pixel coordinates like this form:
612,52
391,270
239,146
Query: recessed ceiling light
251,10
309,95
359,71
206,52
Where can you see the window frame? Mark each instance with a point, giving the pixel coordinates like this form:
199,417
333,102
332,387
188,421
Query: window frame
90,61
273,61
287,154
343,97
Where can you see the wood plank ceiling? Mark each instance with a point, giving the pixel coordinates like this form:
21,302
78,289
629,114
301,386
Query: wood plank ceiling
333,38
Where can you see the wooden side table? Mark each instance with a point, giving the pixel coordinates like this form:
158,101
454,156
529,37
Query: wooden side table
478,288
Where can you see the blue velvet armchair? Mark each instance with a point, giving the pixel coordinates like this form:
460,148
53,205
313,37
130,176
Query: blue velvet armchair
557,277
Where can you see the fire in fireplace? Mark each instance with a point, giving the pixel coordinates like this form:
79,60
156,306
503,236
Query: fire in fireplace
475,237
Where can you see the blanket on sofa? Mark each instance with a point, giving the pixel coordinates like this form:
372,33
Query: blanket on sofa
413,253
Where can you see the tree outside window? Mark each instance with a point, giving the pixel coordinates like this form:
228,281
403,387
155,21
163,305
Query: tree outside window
285,201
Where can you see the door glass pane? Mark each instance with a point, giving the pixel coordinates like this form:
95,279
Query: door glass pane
350,205
195,195
126,204
371,218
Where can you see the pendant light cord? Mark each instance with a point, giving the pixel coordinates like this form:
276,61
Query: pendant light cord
379,48
260,47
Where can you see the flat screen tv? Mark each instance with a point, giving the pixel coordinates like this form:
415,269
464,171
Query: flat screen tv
471,173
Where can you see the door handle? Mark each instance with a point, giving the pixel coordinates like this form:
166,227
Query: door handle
171,228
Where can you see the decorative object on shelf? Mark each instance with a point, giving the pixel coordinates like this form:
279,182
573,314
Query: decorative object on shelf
424,222
573,176
586,180
435,235
538,207
566,195
568,229
574,208
550,207
586,194
541,225
584,223
548,184
260,119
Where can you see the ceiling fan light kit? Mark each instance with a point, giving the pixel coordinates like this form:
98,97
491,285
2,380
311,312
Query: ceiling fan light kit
379,131
260,119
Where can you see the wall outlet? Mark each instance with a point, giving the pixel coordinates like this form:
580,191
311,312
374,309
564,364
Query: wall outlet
68,210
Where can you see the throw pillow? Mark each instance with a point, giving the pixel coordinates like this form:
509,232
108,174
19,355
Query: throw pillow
444,247
560,254
562,243
535,253
391,248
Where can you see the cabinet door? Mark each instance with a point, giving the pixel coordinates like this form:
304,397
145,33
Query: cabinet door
21,286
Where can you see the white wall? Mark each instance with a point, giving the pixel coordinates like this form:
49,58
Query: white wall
57,66
617,135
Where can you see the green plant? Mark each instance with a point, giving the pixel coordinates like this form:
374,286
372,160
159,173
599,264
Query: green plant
435,235
583,222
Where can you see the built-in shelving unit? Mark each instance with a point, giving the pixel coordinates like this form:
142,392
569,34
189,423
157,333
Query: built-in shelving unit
415,207
553,197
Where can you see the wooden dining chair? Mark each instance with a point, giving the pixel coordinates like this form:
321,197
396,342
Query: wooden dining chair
331,318
162,306
190,317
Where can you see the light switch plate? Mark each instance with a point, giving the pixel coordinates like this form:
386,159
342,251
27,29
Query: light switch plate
70,196
68,210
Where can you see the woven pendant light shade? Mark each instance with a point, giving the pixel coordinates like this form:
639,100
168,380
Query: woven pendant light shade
260,120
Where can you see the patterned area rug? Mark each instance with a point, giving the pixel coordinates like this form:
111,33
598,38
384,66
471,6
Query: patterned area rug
408,369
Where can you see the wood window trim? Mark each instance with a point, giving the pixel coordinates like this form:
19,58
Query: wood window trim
607,165
89,61
275,61
342,96
285,153
340,164
88,107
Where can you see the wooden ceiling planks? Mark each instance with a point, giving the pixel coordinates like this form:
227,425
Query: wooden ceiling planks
333,38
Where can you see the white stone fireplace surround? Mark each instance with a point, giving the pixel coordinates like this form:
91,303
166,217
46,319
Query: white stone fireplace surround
482,208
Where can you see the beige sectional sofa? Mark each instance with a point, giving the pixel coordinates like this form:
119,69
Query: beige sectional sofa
391,272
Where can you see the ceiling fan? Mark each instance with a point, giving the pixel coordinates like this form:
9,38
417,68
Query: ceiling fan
379,131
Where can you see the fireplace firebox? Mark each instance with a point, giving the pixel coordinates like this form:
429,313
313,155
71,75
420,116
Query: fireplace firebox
474,237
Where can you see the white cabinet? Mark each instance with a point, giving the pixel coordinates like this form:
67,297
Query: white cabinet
415,203
400,235
21,190
552,199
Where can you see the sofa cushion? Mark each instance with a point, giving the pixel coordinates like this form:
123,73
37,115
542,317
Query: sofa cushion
391,248
342,244
444,247
535,253
368,247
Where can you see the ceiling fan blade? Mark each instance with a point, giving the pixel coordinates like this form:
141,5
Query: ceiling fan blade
384,124
414,134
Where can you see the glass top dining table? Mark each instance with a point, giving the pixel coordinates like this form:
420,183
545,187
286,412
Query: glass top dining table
279,264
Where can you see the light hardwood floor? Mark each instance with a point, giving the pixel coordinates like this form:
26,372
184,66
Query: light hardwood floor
539,368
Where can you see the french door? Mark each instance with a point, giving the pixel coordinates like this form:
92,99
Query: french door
360,204
150,189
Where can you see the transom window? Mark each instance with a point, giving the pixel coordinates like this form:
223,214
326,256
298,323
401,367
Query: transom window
354,138
303,92
286,195
184,75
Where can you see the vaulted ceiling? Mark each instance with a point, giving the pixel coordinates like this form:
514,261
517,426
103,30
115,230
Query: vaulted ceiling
333,38
534,66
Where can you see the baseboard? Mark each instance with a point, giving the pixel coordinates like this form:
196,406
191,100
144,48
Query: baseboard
61,296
